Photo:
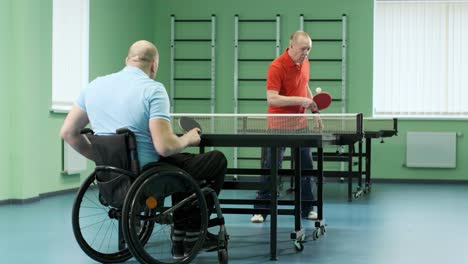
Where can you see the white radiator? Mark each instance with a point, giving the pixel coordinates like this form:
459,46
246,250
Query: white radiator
431,149
72,161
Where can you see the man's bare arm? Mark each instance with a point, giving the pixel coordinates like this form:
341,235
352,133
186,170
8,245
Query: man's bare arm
309,93
277,100
166,142
76,120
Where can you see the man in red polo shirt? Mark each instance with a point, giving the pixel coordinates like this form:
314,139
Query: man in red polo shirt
288,93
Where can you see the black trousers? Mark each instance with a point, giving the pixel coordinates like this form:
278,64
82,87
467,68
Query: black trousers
209,167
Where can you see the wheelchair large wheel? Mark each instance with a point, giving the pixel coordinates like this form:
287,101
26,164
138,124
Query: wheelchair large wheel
156,190
96,226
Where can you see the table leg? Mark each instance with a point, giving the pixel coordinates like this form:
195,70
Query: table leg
368,164
320,183
350,172
274,203
360,165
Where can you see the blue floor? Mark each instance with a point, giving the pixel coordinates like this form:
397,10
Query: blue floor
395,223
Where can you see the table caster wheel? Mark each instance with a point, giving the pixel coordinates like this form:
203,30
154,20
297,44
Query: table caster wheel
298,246
316,234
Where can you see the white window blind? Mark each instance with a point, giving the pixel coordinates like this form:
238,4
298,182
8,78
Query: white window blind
70,45
421,59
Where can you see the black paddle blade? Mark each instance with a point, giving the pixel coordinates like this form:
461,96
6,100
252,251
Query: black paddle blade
187,124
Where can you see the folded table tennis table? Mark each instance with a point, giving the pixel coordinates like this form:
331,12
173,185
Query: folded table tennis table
373,128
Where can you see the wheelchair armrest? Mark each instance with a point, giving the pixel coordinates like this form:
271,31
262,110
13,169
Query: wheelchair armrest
124,130
132,147
115,169
86,130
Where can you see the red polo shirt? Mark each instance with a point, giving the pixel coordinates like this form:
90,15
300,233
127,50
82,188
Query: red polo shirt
289,79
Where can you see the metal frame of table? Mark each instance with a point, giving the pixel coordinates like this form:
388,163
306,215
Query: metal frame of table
274,142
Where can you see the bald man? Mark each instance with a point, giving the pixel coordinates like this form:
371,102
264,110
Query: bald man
131,98
288,92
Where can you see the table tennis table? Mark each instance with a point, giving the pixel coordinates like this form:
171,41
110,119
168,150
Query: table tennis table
251,130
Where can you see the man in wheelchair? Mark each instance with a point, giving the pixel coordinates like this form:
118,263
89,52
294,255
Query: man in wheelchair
131,98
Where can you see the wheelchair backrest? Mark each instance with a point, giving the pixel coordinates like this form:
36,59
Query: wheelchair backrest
116,150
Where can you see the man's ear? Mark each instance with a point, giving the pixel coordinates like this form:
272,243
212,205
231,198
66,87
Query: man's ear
153,66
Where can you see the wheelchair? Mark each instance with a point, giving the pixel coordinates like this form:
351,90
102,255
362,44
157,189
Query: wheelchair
120,212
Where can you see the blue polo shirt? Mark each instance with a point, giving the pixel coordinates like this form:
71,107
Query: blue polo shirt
128,98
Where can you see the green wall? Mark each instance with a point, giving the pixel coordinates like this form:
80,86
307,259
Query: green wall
359,44
389,158
30,160
360,25
34,146
114,26
5,91
30,154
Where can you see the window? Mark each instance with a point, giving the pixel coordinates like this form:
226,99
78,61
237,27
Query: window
421,59
70,45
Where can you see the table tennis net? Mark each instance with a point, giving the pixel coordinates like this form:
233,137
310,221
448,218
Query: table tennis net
283,124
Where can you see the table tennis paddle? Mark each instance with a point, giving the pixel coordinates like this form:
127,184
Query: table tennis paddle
322,100
188,123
